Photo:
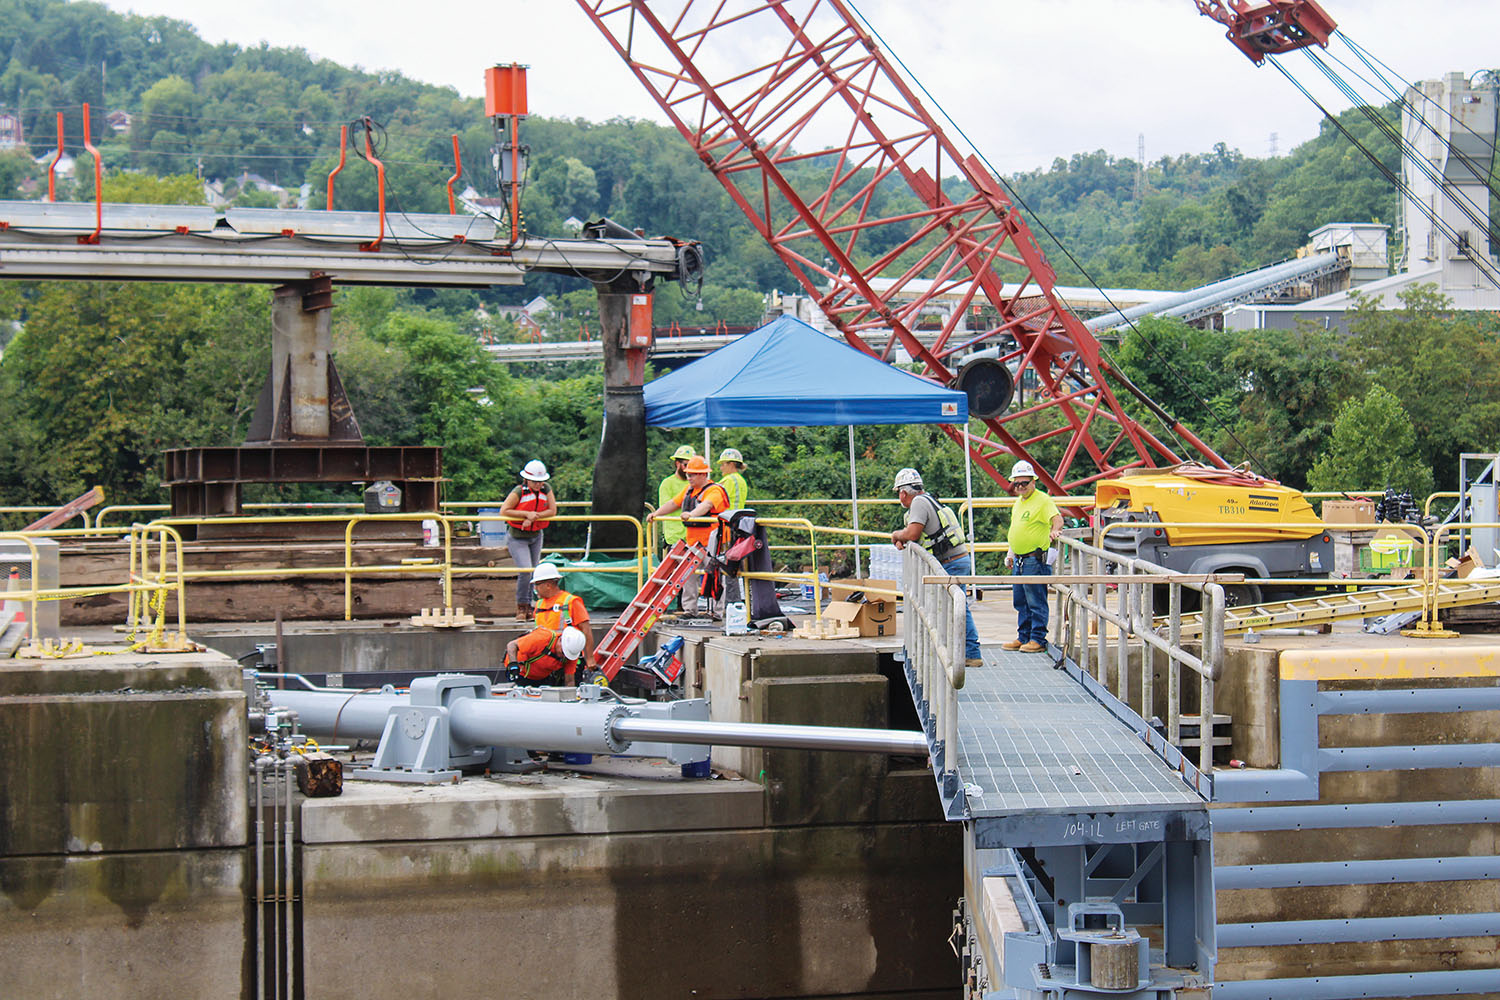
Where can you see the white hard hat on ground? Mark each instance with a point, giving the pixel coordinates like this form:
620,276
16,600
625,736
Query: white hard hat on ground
545,572
732,455
572,643
1022,470
535,471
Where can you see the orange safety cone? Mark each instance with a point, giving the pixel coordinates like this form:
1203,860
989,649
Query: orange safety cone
13,607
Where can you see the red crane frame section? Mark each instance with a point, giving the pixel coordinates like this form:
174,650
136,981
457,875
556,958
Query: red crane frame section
807,124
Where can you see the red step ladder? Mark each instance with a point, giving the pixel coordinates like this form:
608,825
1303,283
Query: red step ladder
625,635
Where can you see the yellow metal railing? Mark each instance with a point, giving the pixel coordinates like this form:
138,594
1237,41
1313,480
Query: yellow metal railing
140,587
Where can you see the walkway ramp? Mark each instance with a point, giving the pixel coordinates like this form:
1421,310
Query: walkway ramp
1037,750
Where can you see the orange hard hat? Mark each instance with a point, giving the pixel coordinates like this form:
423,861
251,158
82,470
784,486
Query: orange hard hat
697,464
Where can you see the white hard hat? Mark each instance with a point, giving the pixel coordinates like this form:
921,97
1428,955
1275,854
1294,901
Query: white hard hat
908,478
1022,470
572,643
545,572
535,471
731,455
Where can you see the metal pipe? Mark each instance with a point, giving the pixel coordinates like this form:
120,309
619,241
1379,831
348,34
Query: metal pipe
260,873
275,927
750,734
289,770
582,727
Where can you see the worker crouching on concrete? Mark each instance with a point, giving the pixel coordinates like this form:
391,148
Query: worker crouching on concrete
936,529
556,609
701,504
536,657
1035,523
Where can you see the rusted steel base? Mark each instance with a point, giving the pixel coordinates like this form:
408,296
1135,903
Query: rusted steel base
207,482
319,775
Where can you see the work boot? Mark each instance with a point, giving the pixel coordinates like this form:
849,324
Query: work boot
973,662
1033,647
1012,645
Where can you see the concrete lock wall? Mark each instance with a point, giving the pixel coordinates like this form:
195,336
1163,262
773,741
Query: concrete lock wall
826,875
122,827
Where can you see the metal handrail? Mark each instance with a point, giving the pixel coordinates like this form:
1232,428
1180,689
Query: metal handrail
1415,531
1081,627
934,642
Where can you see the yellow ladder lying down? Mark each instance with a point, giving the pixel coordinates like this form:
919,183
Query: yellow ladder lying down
1329,607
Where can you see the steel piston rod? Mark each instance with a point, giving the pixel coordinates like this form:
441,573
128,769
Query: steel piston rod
753,734
588,727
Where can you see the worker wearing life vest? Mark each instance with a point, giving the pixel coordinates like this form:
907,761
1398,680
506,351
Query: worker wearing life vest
527,508
731,477
674,531
556,609
936,528
701,504
536,657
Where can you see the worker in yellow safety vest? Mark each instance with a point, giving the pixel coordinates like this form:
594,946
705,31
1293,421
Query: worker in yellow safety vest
731,477
674,531
556,609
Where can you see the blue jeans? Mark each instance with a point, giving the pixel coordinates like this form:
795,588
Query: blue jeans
964,566
1030,599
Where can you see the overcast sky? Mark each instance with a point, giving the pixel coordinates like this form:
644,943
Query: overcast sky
1028,80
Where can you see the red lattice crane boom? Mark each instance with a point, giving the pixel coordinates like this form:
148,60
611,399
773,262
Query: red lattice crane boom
806,123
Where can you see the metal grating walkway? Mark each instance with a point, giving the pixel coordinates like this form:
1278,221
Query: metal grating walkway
1032,740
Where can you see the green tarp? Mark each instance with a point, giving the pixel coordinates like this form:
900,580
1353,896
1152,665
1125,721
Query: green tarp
608,591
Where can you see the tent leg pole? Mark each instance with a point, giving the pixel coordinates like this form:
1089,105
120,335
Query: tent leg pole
969,489
854,502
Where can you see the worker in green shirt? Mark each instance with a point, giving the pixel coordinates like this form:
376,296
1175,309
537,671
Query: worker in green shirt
731,469
672,529
1035,523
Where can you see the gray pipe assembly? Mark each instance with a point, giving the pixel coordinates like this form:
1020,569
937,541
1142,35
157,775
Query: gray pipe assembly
450,721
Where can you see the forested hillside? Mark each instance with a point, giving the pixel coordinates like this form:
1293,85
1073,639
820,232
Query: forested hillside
102,378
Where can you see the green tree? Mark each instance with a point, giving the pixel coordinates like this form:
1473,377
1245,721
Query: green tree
1373,447
1443,366
1289,385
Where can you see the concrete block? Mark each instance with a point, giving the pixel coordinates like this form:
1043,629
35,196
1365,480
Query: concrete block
122,755
825,787
125,926
532,806
819,911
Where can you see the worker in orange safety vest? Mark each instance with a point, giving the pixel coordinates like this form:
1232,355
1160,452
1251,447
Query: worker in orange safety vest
536,657
557,609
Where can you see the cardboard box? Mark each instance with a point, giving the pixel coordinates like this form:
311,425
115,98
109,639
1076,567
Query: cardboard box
1349,511
854,588
872,618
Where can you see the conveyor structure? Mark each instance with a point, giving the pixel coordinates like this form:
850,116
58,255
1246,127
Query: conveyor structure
120,242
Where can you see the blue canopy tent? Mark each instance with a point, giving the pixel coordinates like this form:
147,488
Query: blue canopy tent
786,374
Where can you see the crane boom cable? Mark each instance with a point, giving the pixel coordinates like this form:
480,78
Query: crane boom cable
1410,154
1431,214
1372,61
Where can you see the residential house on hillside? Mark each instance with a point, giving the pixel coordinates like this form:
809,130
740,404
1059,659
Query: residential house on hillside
65,166
118,121
12,135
